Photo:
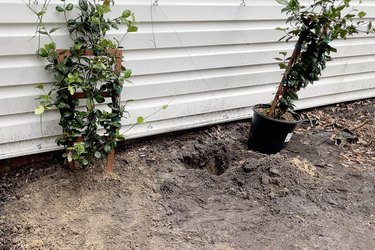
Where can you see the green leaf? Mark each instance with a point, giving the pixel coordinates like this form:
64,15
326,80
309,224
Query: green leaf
283,66
106,7
369,27
59,8
39,86
115,26
120,138
127,73
42,52
89,103
69,7
333,49
77,46
98,155
49,67
83,5
52,46
61,105
71,90
99,98
43,97
132,29
126,13
289,19
340,8
105,43
42,32
165,106
54,29
282,2
349,16
361,14
140,120
293,95
107,148
41,13
67,114
39,110
280,28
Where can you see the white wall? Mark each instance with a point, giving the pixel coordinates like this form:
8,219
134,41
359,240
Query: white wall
212,59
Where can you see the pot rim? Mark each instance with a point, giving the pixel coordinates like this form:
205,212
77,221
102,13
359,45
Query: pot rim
294,114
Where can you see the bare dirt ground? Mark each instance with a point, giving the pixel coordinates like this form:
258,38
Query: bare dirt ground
203,189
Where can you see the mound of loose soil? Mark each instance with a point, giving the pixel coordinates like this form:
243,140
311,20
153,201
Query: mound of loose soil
203,189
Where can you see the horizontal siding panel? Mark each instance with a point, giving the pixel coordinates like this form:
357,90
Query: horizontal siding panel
144,63
164,12
146,39
20,99
177,60
169,11
23,44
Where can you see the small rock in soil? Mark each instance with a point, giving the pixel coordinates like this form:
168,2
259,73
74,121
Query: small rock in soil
265,179
249,168
274,171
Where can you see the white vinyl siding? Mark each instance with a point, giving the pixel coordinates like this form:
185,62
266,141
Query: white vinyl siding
211,60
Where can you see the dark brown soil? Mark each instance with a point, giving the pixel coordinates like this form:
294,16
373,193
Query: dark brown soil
204,190
287,116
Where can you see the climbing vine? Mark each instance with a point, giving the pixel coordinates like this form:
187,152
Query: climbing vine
90,70
314,26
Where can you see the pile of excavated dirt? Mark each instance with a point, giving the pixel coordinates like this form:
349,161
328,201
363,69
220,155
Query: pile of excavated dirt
204,189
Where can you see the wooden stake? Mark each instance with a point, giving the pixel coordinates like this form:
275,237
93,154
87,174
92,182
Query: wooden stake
71,162
280,89
118,54
72,165
110,161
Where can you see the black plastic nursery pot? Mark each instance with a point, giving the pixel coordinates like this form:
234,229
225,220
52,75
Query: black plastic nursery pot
268,135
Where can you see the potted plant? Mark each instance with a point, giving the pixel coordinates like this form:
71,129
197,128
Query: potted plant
314,26
90,70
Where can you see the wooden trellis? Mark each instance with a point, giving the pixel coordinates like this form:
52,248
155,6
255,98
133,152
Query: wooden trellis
62,54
